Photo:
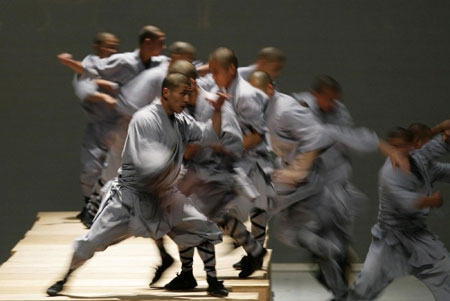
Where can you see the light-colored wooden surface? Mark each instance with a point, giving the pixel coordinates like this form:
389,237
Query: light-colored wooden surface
122,272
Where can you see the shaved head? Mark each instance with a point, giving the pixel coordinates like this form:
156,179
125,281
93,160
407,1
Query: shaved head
183,67
175,80
225,57
149,32
182,48
260,79
271,54
102,37
105,44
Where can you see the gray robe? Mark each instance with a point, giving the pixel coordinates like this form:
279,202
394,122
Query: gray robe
142,90
293,129
315,214
99,134
121,67
401,242
245,72
207,82
145,201
250,105
214,172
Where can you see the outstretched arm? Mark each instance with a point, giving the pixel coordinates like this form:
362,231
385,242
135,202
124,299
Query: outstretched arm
441,127
102,97
109,86
365,140
297,170
67,60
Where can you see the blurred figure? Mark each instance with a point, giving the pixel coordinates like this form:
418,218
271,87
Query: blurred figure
401,243
122,67
98,103
423,133
114,72
310,204
211,176
249,104
270,60
144,201
134,95
323,102
145,87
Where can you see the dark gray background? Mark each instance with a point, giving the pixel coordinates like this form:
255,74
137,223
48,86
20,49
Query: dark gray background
392,58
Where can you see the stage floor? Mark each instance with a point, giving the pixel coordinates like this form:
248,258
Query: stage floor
122,272
301,285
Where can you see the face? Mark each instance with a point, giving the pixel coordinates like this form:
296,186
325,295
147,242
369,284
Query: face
222,76
176,100
108,47
158,45
325,99
272,68
154,47
403,146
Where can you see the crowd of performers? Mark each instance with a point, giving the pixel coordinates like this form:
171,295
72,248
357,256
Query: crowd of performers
190,150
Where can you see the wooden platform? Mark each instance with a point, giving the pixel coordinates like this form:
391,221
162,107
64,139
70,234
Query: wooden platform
122,272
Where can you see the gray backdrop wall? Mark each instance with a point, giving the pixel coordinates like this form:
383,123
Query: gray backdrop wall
392,58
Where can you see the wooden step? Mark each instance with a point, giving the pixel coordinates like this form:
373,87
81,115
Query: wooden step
122,272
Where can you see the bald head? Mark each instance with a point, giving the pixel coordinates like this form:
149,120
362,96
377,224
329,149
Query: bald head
184,67
225,57
262,80
149,32
182,50
223,66
101,37
175,80
271,54
271,60
105,44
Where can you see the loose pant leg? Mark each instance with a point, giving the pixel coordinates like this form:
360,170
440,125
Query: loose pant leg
93,155
110,227
383,264
236,229
298,227
186,258
114,156
207,254
331,267
258,219
437,278
188,227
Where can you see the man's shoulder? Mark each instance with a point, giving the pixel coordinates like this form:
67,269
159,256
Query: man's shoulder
146,114
245,72
246,90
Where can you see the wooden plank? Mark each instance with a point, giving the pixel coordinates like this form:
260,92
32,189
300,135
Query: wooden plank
135,295
121,272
